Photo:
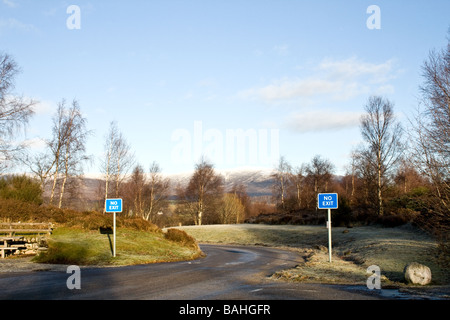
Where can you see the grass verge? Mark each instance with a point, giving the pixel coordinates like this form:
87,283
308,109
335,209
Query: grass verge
354,250
90,247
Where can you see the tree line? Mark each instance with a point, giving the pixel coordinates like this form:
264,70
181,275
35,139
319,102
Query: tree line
370,174
396,170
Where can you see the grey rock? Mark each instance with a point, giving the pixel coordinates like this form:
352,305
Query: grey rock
416,273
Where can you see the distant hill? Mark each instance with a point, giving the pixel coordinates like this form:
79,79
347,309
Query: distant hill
257,182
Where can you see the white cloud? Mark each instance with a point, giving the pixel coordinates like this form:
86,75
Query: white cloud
282,50
10,3
39,107
296,88
322,120
258,52
14,24
44,107
332,79
207,82
36,144
353,68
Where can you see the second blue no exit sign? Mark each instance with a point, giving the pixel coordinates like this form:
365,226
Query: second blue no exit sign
327,201
113,205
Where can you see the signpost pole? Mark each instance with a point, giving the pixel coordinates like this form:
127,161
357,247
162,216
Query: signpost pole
328,201
329,234
114,235
113,206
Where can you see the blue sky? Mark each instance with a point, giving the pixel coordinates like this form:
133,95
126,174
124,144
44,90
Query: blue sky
183,78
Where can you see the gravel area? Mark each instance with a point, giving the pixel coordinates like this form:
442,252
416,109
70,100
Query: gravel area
24,264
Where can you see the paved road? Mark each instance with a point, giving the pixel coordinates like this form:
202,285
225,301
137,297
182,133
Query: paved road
226,273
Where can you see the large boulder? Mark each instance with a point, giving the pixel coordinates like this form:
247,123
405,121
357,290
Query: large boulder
416,273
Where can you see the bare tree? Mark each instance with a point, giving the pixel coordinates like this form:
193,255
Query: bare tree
281,180
240,191
123,161
56,145
407,177
67,148
74,146
40,165
117,160
134,192
298,181
383,137
15,112
203,190
319,173
107,162
431,130
232,209
351,174
158,192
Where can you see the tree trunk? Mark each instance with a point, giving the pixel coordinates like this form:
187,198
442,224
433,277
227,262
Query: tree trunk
107,174
380,198
61,194
282,193
54,183
353,189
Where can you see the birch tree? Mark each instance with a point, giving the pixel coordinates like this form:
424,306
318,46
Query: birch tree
431,132
117,161
56,145
135,191
15,112
74,147
319,173
298,181
383,138
281,180
158,192
204,188
123,161
107,162
231,210
67,147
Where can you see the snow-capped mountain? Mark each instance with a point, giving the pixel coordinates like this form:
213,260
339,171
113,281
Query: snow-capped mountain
256,180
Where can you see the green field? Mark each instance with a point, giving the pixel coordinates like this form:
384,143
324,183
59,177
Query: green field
354,249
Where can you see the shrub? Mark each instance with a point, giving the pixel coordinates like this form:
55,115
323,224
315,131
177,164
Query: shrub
182,237
397,218
138,224
21,188
16,210
90,220
343,215
64,253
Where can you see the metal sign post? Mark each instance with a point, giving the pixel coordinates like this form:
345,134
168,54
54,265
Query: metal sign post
114,235
113,206
329,234
328,201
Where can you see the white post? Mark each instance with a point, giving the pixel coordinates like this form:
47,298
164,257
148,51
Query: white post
329,234
114,235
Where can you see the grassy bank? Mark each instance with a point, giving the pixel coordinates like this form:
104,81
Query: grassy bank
90,247
354,250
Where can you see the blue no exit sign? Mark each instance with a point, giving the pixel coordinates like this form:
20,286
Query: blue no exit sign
327,201
113,205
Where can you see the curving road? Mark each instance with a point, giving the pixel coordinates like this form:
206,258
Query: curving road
226,273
